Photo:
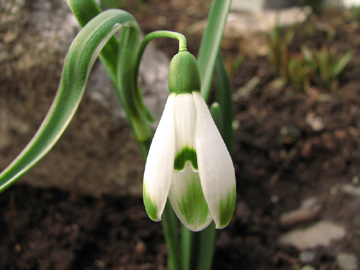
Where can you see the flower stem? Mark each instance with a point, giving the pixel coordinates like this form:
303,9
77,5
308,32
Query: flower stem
158,34
198,248
169,224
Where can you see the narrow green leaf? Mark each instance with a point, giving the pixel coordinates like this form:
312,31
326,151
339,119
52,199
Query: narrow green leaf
341,64
84,11
210,43
216,114
308,56
128,90
78,62
224,98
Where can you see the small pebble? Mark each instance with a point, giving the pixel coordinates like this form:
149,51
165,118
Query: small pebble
307,256
355,180
18,248
274,199
307,267
351,190
140,248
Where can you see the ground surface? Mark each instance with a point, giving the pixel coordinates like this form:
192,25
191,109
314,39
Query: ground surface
280,159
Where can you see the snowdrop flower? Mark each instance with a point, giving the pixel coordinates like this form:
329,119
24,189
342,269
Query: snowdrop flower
188,160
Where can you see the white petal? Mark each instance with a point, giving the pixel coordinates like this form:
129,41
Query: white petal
185,121
160,163
187,199
217,174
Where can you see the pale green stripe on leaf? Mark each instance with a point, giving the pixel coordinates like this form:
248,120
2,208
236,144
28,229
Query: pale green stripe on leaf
186,154
226,208
150,206
193,205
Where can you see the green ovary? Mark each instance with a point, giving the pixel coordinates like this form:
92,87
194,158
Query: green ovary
193,205
150,207
186,154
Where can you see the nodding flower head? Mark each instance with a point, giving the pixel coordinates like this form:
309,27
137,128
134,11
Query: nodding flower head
188,160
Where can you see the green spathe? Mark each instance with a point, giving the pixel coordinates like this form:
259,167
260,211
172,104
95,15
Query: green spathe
184,74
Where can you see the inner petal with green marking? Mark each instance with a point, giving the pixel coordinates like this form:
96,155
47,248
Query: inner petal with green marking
186,154
187,198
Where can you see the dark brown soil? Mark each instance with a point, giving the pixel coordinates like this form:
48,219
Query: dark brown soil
280,160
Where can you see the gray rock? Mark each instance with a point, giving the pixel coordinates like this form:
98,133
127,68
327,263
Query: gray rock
248,31
308,267
307,256
255,5
319,234
351,190
308,210
347,261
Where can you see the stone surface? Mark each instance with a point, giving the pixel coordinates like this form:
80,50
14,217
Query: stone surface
307,256
239,5
307,267
351,190
34,38
248,31
319,234
308,210
347,261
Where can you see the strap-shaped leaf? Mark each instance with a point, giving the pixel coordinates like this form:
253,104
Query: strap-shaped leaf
84,11
80,58
119,66
210,43
224,98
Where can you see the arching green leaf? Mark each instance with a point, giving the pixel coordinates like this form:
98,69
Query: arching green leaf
80,58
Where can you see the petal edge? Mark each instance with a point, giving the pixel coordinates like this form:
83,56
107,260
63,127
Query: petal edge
216,170
159,164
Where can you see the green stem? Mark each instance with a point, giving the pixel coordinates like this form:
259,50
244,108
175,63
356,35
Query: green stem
158,34
205,244
169,224
187,248
198,248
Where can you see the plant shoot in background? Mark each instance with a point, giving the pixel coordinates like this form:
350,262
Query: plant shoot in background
188,160
304,67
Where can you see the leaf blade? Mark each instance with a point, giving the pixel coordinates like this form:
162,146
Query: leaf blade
224,98
78,62
210,43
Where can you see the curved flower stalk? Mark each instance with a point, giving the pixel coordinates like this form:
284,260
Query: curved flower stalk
188,160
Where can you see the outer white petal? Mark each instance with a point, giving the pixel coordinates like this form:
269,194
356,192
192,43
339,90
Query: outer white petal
160,163
217,174
187,199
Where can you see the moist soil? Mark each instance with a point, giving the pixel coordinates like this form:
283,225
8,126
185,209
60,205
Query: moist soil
289,145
